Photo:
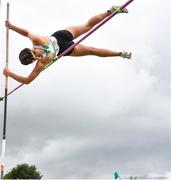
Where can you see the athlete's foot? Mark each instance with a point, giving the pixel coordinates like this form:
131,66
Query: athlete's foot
117,10
126,55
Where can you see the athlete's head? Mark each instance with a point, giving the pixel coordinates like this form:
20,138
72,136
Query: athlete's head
26,56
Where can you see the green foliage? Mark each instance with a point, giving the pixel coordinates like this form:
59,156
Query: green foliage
23,171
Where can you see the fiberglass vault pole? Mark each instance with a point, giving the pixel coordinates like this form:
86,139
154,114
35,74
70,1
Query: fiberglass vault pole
5,97
79,41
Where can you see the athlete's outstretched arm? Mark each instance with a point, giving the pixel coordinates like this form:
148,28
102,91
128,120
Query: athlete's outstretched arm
24,80
22,31
39,67
36,39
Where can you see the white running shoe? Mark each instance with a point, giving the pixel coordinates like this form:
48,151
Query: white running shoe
125,54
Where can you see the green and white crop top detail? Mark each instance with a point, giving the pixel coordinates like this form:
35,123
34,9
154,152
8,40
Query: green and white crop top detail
51,48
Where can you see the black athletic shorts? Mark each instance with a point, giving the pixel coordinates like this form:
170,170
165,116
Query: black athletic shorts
65,40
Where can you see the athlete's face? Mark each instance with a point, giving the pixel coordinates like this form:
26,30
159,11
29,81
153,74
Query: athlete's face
38,52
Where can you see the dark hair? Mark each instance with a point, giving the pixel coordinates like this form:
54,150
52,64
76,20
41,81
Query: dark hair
26,56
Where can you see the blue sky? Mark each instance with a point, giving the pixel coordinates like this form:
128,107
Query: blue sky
87,117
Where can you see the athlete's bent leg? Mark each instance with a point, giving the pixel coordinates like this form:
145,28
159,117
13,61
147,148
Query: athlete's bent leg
77,31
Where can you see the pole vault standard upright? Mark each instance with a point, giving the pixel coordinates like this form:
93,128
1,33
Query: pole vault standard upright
79,41
5,102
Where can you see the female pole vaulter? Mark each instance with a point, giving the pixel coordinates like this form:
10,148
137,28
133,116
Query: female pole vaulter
46,49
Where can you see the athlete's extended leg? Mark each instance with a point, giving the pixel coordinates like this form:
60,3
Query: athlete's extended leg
81,29
82,50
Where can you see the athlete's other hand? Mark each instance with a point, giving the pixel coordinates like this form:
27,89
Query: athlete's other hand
8,24
6,71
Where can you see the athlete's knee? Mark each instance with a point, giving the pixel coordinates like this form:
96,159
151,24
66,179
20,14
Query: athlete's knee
95,20
89,25
91,50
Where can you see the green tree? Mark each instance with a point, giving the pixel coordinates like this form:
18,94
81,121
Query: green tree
23,171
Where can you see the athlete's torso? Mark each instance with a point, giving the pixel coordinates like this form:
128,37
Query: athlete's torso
51,48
